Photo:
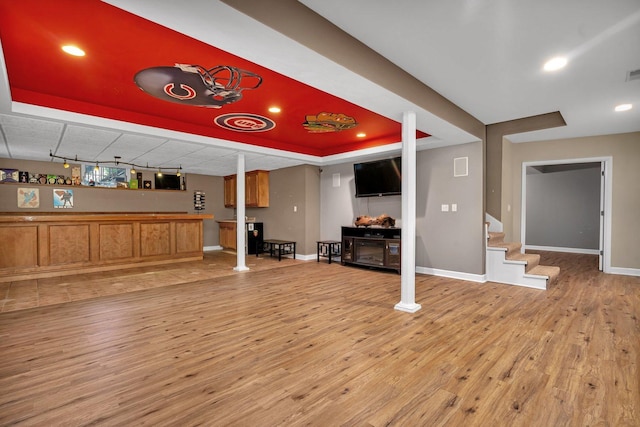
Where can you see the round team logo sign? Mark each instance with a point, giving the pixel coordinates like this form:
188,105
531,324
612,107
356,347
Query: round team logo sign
245,122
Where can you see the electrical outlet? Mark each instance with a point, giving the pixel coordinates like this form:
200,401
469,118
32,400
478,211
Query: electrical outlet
445,208
454,207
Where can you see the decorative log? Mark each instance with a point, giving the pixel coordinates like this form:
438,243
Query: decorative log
383,220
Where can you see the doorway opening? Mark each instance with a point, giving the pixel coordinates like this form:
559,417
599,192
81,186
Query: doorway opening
566,207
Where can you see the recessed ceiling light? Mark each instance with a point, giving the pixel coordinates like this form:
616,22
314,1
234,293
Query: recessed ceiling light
73,50
361,135
555,64
624,107
274,109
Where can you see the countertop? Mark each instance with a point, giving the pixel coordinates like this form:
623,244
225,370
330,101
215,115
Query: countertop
248,220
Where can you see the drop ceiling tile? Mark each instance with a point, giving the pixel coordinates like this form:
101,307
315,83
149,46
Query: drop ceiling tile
22,132
158,158
3,149
181,147
210,153
130,146
31,126
75,133
279,162
86,143
221,170
28,151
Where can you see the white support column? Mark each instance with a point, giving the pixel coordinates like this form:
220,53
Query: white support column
240,216
408,244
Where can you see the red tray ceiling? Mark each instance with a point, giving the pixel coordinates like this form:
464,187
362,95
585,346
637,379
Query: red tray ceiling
119,44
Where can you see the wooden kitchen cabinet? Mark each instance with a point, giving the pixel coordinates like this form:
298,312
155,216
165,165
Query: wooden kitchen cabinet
230,191
256,190
228,238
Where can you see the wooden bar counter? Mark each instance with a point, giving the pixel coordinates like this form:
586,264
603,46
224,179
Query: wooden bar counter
50,244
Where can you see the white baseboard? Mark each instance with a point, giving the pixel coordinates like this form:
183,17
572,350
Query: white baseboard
624,271
560,249
479,278
298,256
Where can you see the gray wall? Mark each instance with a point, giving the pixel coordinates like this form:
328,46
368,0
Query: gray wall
447,241
624,149
339,206
297,187
94,199
563,208
450,241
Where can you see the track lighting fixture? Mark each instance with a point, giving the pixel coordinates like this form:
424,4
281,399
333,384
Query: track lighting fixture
116,161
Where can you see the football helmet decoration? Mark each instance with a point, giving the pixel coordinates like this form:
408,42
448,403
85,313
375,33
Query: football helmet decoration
195,85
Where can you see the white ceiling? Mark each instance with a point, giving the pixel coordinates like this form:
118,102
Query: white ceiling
486,57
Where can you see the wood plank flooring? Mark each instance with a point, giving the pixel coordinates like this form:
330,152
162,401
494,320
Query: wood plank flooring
23,294
304,343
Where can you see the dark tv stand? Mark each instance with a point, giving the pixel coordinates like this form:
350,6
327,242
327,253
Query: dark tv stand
371,247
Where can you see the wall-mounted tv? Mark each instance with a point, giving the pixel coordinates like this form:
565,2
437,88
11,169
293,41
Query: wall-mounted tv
378,178
167,182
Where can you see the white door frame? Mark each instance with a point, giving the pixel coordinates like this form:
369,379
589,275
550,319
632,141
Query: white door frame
605,230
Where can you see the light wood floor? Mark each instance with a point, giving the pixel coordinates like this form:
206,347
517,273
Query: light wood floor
304,343
24,294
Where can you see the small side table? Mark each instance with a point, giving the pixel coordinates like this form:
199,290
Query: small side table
279,247
329,249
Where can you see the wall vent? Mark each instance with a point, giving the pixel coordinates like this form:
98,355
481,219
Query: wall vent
633,75
461,166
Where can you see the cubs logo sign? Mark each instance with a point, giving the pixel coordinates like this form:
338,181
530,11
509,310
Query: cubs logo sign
194,85
245,122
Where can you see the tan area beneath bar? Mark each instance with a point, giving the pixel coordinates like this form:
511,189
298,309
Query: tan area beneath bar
47,245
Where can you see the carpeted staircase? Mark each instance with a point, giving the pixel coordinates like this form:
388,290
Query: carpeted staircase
506,264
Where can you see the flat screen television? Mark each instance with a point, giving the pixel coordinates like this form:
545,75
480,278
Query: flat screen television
167,182
378,178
